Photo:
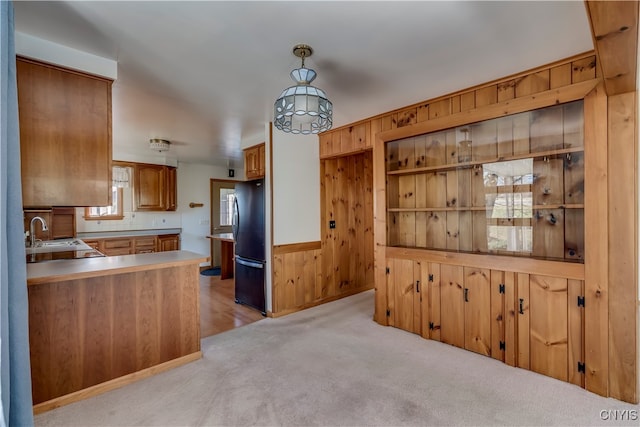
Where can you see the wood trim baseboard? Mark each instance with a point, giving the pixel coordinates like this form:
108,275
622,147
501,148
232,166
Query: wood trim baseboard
114,383
319,302
296,247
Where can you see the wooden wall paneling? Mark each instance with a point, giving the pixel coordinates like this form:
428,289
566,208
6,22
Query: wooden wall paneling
575,324
583,69
532,83
486,96
477,310
596,200
467,101
548,233
511,320
329,255
318,282
451,147
573,164
523,321
573,124
498,315
506,90
484,140
614,26
342,225
422,112
357,237
548,326
455,104
623,247
441,108
560,76
368,220
452,305
419,287
407,117
465,231
325,143
278,283
355,137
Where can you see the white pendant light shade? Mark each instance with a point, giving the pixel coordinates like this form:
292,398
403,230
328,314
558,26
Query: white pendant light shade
159,144
303,109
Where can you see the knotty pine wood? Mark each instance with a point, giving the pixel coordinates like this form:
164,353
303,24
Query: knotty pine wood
596,242
523,332
614,26
65,119
477,310
575,323
430,299
548,326
347,187
87,331
297,280
452,305
623,254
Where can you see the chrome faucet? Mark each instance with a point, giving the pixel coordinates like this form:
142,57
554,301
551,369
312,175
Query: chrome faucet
32,231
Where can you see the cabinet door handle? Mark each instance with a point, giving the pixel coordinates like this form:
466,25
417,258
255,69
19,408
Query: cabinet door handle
521,307
466,294
418,286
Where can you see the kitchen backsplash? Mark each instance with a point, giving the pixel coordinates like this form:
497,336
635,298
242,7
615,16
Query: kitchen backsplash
131,221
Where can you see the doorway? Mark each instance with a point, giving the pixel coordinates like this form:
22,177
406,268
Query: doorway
222,197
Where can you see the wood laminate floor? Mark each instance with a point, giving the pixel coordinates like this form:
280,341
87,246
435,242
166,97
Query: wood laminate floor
218,309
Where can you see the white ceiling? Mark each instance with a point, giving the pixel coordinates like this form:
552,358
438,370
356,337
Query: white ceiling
205,74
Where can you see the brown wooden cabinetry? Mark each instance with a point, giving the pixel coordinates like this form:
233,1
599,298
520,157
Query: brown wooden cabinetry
254,161
169,242
135,245
65,136
155,187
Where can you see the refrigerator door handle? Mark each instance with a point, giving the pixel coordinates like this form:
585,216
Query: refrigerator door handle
235,219
248,263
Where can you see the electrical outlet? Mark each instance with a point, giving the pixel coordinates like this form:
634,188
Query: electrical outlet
332,224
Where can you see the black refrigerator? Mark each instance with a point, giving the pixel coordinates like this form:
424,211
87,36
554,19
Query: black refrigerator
248,233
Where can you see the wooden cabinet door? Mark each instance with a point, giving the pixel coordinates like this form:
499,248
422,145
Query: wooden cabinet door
65,136
550,326
261,160
452,305
405,308
429,277
171,195
251,163
477,310
149,187
169,242
503,316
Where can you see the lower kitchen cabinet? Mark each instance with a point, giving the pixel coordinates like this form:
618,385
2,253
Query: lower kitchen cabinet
530,321
135,245
169,242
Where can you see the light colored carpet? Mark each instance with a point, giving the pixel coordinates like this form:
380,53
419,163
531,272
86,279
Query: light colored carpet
332,365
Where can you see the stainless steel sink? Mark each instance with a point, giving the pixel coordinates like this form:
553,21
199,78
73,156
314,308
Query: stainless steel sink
58,246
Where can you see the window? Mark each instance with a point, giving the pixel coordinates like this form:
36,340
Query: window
227,197
112,212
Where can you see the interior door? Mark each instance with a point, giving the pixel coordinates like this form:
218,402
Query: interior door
222,197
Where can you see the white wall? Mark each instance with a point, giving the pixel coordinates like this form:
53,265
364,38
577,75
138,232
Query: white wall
296,188
194,186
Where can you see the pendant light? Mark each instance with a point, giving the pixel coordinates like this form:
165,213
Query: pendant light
303,109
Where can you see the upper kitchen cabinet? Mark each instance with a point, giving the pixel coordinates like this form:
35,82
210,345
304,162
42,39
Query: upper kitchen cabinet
155,187
65,136
254,161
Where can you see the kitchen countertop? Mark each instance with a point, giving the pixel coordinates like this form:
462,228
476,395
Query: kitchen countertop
61,270
128,233
227,237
